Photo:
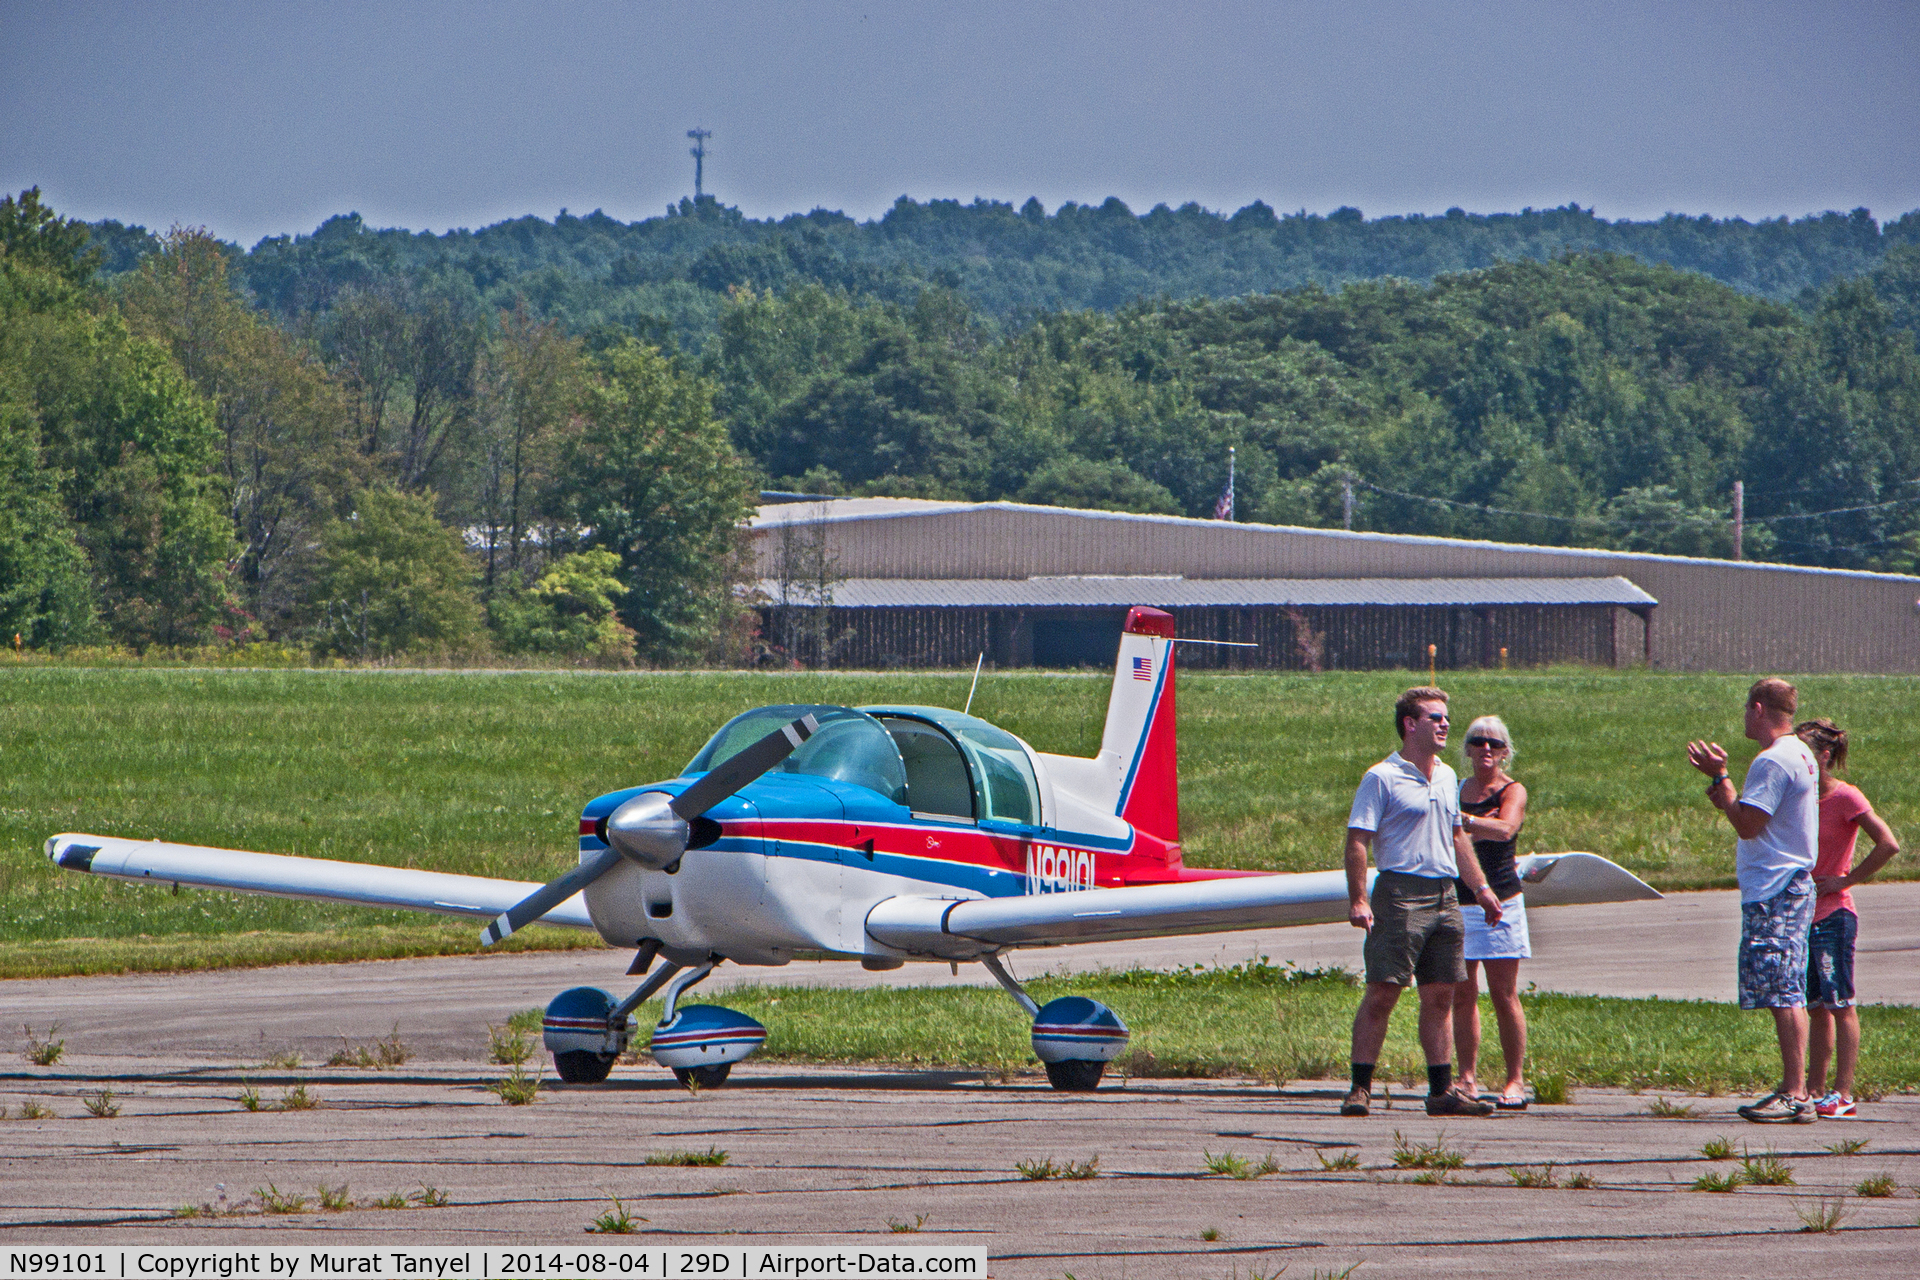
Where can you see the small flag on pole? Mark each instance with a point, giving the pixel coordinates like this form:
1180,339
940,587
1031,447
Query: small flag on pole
1223,509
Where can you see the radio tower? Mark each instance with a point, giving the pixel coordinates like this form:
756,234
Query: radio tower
699,153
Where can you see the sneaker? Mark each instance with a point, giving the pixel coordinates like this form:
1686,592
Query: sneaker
1452,1104
1836,1106
1358,1102
1779,1108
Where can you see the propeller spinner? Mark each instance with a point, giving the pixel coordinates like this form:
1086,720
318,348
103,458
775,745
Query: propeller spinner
652,828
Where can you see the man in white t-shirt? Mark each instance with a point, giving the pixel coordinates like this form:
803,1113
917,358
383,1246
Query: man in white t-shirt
1777,817
1407,813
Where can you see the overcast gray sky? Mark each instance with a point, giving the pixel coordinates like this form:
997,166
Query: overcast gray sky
260,118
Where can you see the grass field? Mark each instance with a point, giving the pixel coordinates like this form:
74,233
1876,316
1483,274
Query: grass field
1268,1021
485,772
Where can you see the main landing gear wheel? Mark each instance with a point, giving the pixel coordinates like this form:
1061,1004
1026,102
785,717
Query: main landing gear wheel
1075,1077
710,1077
577,1066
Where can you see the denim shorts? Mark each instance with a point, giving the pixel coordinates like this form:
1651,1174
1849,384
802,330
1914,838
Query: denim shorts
1773,947
1830,960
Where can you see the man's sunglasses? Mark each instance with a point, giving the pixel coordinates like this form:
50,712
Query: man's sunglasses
1478,741
1438,717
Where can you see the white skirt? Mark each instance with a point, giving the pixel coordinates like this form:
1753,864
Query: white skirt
1504,941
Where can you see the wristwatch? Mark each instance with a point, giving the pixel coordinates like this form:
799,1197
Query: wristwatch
1725,777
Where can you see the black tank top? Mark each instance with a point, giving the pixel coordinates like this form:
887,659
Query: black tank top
1496,856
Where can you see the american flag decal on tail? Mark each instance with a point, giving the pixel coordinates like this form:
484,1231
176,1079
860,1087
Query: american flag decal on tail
1143,668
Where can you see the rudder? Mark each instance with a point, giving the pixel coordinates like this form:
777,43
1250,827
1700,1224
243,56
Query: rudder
1140,725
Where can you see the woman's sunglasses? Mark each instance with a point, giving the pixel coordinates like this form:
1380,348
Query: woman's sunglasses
1478,741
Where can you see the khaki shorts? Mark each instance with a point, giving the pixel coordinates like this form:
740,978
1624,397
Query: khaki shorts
1417,933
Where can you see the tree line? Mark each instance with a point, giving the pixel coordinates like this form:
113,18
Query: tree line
672,272
392,460
403,474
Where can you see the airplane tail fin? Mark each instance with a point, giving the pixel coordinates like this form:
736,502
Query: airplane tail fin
1140,728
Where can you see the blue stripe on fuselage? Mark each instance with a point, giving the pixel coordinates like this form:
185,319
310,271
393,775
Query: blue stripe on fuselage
990,881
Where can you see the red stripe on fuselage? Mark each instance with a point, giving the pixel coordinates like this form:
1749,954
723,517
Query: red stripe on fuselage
1145,861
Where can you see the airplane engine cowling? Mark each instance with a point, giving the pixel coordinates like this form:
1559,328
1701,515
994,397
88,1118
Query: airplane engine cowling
576,1022
1076,1029
706,1035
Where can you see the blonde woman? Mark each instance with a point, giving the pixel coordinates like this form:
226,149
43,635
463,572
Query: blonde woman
1493,807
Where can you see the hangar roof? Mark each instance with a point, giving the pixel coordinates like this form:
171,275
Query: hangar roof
1176,592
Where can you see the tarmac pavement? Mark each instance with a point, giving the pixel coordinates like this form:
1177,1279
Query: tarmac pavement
819,1155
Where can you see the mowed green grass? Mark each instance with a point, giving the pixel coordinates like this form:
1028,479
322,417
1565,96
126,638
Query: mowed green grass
1268,1021
485,773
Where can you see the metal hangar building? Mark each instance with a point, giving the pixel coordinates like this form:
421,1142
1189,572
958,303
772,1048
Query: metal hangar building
922,583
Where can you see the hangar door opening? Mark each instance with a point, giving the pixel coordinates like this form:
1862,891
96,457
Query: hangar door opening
1077,637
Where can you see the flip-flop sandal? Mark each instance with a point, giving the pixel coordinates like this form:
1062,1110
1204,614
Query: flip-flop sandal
1504,1105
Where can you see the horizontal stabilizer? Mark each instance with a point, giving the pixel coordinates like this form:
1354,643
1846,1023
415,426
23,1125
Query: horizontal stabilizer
314,879
962,929
1568,879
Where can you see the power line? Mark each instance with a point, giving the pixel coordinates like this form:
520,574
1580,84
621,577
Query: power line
1616,521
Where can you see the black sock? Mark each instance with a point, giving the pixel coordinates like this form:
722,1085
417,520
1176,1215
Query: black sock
1363,1075
1440,1078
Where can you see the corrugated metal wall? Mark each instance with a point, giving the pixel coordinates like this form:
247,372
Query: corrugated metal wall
1713,615
1351,637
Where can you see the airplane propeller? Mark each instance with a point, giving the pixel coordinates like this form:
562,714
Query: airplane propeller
653,829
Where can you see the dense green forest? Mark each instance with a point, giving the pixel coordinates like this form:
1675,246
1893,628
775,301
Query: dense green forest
1010,265
541,438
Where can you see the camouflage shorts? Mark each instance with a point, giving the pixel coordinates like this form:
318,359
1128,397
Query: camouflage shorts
1773,947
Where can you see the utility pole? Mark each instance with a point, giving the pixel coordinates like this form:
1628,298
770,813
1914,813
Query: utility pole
1739,515
699,153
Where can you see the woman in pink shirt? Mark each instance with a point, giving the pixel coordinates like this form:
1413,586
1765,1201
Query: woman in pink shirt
1834,1021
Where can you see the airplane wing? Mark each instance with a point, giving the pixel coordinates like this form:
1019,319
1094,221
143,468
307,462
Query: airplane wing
969,928
315,879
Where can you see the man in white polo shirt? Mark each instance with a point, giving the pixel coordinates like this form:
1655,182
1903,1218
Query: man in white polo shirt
1408,810
1777,818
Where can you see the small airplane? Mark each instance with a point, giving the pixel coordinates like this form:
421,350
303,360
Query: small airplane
882,834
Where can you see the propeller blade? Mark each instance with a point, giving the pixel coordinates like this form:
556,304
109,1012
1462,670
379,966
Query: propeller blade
548,896
732,774
738,770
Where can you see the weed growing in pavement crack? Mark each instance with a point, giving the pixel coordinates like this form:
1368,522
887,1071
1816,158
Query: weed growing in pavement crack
899,1226
44,1051
1664,1110
1847,1147
1767,1170
274,1200
1580,1182
297,1099
32,1110
711,1157
517,1088
1879,1186
334,1199
249,1097
1826,1215
1345,1162
1717,1149
430,1198
1408,1154
1209,1234
1526,1176
615,1222
1729,1181
101,1105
